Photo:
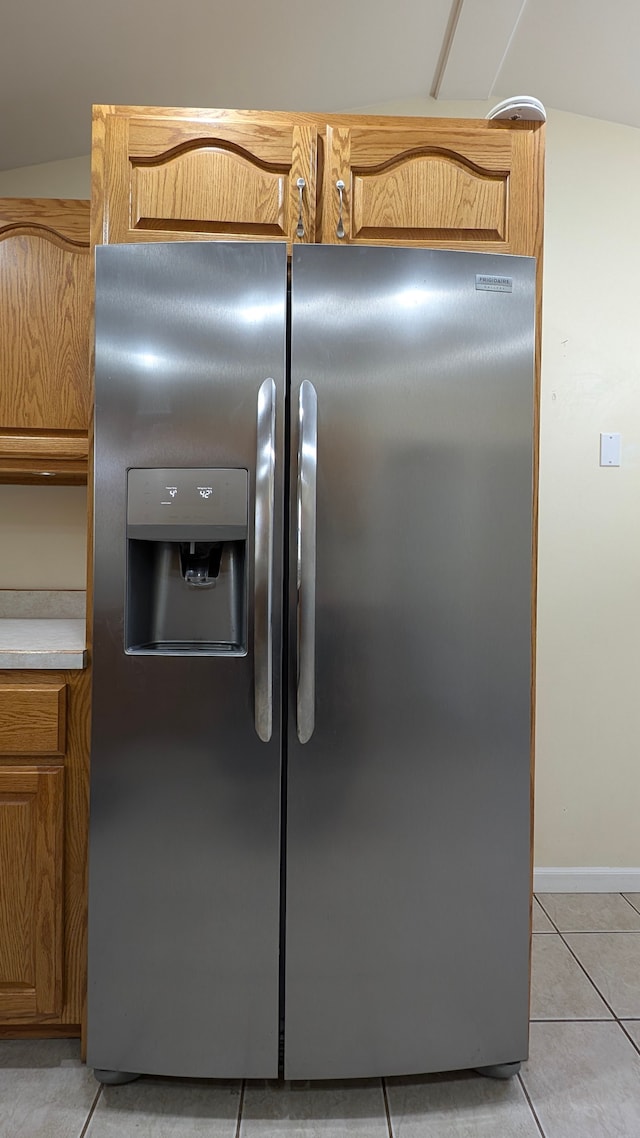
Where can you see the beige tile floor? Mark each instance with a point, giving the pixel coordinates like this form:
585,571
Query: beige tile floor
582,1079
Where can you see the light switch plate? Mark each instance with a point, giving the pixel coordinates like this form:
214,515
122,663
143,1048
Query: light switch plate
610,449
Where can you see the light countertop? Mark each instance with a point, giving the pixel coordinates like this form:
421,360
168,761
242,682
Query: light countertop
42,629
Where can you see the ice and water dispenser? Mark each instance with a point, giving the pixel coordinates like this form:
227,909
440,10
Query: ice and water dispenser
186,561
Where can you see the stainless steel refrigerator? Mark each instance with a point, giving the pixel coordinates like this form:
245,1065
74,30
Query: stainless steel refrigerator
310,801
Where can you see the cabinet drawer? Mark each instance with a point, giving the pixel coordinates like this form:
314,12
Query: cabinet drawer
32,719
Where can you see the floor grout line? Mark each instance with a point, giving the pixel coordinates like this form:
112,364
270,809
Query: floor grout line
616,1019
577,1019
634,907
593,932
589,932
547,915
580,965
530,1103
579,962
387,1108
240,1106
91,1112
632,1041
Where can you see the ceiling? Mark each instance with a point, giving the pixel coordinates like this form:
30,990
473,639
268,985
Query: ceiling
58,59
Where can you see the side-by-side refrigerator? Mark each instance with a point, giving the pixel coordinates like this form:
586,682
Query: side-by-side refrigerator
310,800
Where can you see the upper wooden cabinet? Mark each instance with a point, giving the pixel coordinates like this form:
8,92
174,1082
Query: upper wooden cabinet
45,305
162,175
455,184
171,174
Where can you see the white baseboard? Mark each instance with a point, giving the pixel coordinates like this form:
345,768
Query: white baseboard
586,879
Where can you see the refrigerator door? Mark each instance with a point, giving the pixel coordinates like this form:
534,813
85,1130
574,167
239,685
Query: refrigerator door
185,797
407,907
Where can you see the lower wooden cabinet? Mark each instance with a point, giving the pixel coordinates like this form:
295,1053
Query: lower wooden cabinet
44,809
31,897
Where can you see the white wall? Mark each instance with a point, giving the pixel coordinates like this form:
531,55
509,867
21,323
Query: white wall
588,781
70,178
43,537
588,721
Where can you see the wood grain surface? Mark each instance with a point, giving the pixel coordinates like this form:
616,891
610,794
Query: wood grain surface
176,174
45,304
59,457
45,301
44,321
31,901
169,176
32,718
70,858
66,219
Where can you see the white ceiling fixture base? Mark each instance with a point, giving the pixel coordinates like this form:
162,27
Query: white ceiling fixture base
525,107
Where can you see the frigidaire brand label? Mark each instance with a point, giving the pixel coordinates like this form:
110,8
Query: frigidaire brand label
487,283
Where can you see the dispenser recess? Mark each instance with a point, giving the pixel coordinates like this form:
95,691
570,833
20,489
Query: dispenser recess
186,561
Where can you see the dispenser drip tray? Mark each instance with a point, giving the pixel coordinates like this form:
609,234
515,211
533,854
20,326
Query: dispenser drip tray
176,606
184,648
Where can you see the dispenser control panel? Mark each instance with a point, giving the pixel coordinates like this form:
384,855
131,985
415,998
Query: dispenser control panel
208,502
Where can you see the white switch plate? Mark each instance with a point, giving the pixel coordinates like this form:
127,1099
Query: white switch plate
610,449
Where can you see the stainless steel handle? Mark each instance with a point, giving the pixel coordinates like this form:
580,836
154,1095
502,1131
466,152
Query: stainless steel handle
306,559
263,568
340,188
300,226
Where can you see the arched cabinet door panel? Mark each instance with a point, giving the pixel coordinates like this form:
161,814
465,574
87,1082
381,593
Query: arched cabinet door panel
445,183
45,296
179,175
45,332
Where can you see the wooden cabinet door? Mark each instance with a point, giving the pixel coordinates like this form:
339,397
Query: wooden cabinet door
445,183
162,174
45,304
31,900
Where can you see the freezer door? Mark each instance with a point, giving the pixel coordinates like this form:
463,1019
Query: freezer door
185,795
407,908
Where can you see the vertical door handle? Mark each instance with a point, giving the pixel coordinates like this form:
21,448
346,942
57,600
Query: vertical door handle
340,186
306,559
263,567
300,226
